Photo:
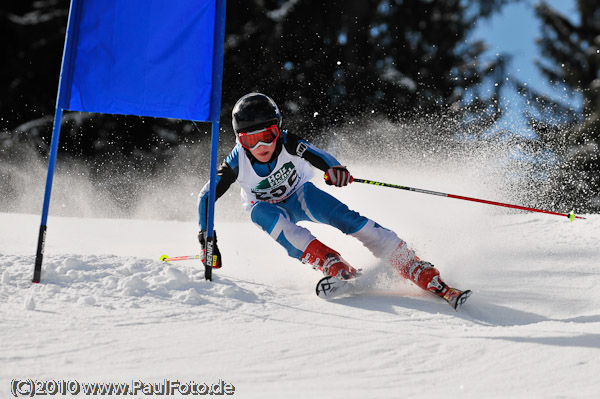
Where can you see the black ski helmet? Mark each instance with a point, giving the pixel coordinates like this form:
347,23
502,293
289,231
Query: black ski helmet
253,112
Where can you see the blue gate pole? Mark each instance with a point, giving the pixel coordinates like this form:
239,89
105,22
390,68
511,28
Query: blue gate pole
215,116
214,149
63,84
37,272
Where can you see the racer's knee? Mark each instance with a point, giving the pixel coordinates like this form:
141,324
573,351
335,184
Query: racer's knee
275,222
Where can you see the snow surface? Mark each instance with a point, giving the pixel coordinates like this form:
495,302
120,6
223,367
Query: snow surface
108,310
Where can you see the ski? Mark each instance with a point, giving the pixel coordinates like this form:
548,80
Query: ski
332,287
456,298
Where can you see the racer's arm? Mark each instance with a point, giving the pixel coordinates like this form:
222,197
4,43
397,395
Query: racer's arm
227,173
317,157
335,173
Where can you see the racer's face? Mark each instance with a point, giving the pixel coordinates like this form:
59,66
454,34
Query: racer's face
260,143
264,152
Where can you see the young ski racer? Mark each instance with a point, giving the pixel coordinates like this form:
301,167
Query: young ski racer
274,169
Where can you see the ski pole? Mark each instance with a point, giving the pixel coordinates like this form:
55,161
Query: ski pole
166,258
570,215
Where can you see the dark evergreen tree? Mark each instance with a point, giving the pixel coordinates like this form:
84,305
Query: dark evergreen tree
325,62
336,61
572,63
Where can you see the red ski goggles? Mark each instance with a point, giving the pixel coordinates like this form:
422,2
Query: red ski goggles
252,140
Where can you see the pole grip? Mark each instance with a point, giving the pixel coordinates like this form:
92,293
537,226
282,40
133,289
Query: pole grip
208,258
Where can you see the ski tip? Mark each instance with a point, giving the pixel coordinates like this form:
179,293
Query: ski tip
323,287
163,258
462,298
331,287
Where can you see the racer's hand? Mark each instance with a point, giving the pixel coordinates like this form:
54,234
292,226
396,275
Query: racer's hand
338,176
216,261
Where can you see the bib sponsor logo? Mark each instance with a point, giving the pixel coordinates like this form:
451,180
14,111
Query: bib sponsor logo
275,187
277,178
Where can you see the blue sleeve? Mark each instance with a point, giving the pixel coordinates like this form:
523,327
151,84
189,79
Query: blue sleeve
233,159
227,173
315,156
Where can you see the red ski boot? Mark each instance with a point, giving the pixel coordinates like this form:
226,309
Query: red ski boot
325,259
426,276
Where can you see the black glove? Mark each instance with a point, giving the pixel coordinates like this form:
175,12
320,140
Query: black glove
216,262
338,176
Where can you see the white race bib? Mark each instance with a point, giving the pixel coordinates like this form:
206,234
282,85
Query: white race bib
289,173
